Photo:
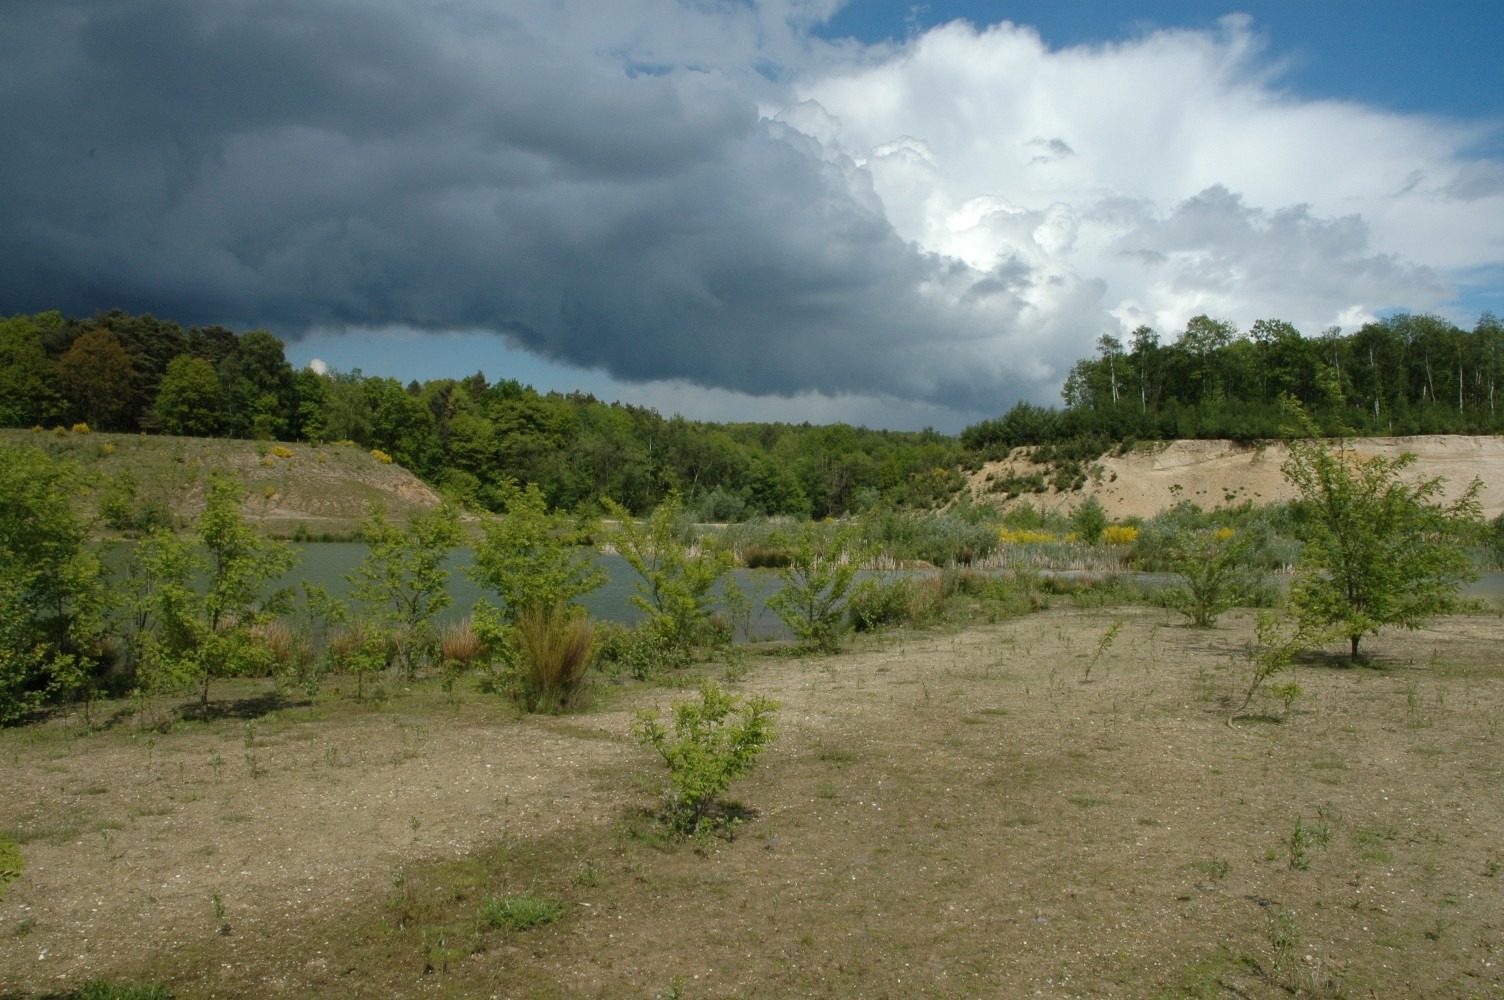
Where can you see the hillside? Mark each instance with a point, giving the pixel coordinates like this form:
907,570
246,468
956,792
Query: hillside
1156,475
324,488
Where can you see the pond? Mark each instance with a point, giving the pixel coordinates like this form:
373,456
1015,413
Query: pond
327,563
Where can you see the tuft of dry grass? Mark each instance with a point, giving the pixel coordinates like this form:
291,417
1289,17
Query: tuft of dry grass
458,642
276,637
555,644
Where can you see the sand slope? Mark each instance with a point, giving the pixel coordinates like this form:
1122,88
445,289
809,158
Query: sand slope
1216,473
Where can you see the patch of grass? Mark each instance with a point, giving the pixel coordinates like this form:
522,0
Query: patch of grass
1088,801
520,911
1217,868
102,989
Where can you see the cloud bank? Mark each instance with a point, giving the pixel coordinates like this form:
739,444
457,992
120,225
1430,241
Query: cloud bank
708,192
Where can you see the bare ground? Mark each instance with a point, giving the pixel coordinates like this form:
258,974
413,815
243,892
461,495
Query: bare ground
955,813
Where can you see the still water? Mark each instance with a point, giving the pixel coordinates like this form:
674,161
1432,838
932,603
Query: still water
327,563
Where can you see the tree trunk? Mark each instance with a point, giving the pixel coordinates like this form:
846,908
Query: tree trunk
1354,640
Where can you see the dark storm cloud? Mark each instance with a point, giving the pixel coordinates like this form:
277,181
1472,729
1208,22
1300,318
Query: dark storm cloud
327,164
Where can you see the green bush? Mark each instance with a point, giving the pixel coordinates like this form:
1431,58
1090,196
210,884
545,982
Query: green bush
882,604
714,741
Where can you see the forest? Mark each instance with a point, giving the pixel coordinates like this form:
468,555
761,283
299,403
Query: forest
1403,375
469,436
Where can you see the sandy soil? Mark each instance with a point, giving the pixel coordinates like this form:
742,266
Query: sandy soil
1214,473
1030,808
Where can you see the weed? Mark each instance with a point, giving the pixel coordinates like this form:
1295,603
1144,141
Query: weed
1301,840
221,925
1102,646
1217,868
101,989
520,911
1283,933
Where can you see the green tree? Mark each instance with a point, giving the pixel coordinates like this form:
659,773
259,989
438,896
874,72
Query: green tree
528,555
1211,561
28,381
817,584
95,377
402,580
1377,550
52,594
678,574
188,400
206,602
258,387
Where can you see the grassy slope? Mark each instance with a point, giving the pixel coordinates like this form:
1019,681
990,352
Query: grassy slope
326,488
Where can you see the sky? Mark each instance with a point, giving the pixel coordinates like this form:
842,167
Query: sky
883,213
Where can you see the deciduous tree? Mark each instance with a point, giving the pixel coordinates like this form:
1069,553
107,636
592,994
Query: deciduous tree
1378,550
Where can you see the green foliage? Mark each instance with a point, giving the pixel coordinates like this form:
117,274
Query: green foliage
198,633
520,911
882,604
679,574
817,584
1213,563
188,400
1089,520
104,989
1278,639
714,741
529,558
53,602
402,580
11,863
1378,551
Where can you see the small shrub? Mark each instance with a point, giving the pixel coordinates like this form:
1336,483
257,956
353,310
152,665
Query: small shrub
714,741
281,451
520,911
381,456
80,428
1119,534
883,604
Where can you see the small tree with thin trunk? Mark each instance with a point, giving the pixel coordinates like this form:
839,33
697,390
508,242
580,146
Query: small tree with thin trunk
1378,551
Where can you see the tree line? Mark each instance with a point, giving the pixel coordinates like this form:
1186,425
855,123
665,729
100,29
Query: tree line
1407,374
467,436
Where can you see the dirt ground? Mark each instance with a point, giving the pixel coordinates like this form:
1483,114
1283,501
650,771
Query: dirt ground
1034,808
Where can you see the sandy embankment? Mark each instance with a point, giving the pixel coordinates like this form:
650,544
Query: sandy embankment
1216,473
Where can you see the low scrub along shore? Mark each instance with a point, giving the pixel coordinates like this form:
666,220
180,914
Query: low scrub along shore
1050,805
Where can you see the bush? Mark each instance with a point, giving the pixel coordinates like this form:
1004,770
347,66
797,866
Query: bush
882,604
715,740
